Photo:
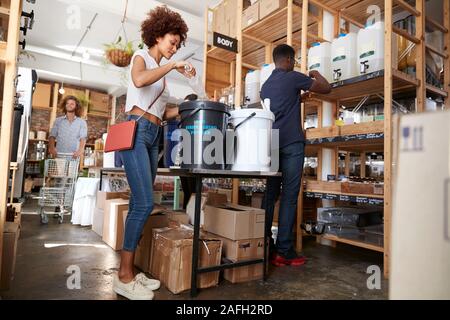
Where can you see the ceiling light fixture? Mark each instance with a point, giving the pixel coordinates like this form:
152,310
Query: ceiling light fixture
86,55
61,90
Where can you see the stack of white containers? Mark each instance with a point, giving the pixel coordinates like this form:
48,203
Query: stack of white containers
349,55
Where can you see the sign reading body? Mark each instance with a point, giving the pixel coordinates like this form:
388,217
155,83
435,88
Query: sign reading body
225,42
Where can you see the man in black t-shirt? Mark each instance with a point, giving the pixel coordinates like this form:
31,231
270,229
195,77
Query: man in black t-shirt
284,88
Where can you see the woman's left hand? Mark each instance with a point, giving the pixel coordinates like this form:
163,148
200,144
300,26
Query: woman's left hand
186,69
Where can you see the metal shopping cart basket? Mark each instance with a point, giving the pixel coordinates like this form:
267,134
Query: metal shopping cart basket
60,176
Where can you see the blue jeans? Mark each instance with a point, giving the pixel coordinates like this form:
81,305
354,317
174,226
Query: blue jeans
140,164
291,168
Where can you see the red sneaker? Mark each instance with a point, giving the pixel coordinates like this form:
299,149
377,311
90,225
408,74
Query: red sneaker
282,261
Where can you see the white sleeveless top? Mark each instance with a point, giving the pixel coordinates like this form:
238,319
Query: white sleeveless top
143,97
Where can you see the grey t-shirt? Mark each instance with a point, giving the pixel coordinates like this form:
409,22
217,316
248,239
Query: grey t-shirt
67,134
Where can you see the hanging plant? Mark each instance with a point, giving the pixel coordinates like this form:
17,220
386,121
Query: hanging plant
119,53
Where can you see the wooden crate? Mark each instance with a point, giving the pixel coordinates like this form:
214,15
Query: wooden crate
99,102
323,186
357,188
42,95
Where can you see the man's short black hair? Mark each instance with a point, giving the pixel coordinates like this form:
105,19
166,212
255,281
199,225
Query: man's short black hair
283,51
191,97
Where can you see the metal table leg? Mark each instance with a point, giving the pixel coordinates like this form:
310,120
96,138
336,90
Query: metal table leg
266,240
195,253
101,179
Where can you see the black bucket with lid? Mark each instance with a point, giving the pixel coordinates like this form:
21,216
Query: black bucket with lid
203,120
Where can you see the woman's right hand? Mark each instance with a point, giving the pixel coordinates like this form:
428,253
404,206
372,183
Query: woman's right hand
180,66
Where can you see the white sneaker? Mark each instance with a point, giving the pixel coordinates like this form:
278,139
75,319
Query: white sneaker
134,290
152,284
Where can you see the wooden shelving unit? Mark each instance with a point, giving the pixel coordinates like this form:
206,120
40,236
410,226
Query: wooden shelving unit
298,28
9,51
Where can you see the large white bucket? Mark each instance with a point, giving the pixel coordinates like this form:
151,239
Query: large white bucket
253,132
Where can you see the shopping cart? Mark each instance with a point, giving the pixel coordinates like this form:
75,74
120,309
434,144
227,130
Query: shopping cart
60,175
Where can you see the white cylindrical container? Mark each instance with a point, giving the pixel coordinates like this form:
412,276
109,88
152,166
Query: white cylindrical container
319,58
42,135
253,134
343,57
430,105
266,71
371,48
252,87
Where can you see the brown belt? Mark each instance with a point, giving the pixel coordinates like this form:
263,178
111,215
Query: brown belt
150,117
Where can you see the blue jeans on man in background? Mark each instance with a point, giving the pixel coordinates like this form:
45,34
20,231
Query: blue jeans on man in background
291,168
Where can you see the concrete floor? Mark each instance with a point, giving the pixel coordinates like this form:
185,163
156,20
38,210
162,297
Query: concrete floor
330,273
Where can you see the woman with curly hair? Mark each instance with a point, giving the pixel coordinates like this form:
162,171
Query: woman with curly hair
163,32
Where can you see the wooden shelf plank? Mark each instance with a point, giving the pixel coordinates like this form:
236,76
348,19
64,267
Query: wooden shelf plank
273,27
405,34
4,11
436,25
370,196
42,108
408,7
221,54
436,90
3,51
368,85
355,243
437,51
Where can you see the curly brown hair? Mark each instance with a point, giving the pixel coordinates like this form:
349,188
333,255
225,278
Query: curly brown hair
63,102
161,21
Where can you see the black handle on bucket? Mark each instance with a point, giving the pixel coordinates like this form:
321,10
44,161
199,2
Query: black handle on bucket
245,120
189,115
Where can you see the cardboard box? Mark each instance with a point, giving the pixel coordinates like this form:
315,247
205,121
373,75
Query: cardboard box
102,196
171,259
250,15
234,222
42,95
241,250
99,102
227,192
143,250
266,7
177,216
257,198
113,226
97,221
10,238
211,198
219,19
231,17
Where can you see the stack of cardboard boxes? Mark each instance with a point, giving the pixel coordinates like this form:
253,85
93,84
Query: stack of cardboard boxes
171,259
241,230
259,10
